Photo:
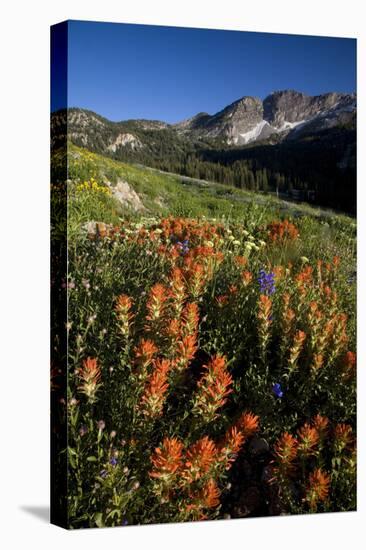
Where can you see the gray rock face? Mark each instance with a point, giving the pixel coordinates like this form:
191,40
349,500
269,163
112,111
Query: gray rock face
290,107
127,196
286,113
284,106
240,117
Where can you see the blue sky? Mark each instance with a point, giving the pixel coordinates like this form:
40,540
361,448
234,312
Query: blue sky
124,71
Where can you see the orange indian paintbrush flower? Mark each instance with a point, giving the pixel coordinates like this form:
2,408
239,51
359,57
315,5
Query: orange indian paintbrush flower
287,320
213,389
247,423
145,351
264,322
305,277
246,277
210,494
317,489
190,319
230,446
156,302
295,350
124,314
144,354
321,423
308,440
90,376
343,437
264,308
173,331
278,271
195,276
199,459
167,460
153,398
285,450
240,261
349,364
235,437
317,363
177,293
203,499
186,349
339,337
282,231
222,300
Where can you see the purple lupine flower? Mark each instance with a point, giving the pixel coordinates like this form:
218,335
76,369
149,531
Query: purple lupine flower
113,461
266,282
183,246
277,390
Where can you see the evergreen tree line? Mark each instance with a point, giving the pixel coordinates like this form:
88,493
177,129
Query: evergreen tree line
312,169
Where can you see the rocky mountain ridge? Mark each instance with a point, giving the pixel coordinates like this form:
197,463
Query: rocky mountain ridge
282,115
285,113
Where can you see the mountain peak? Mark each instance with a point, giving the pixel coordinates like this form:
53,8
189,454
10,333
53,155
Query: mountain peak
285,114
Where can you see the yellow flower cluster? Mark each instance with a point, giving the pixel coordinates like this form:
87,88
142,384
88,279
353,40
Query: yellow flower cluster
92,185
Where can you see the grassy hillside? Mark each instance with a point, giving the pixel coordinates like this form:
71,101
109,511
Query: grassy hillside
169,194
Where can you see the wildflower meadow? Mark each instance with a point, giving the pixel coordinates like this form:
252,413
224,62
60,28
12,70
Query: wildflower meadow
211,358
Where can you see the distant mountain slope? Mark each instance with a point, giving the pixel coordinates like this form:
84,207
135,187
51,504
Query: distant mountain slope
289,143
284,115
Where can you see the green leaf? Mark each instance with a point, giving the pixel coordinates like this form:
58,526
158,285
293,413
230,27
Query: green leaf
91,459
99,519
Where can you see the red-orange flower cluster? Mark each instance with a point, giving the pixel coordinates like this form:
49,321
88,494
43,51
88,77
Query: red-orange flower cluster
90,377
282,231
308,440
124,314
190,319
167,459
343,436
295,349
235,437
156,302
153,398
285,450
186,349
317,489
144,354
205,498
199,459
213,389
321,424
349,364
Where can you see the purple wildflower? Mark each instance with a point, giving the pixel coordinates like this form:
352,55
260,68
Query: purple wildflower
266,282
277,390
113,461
183,246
